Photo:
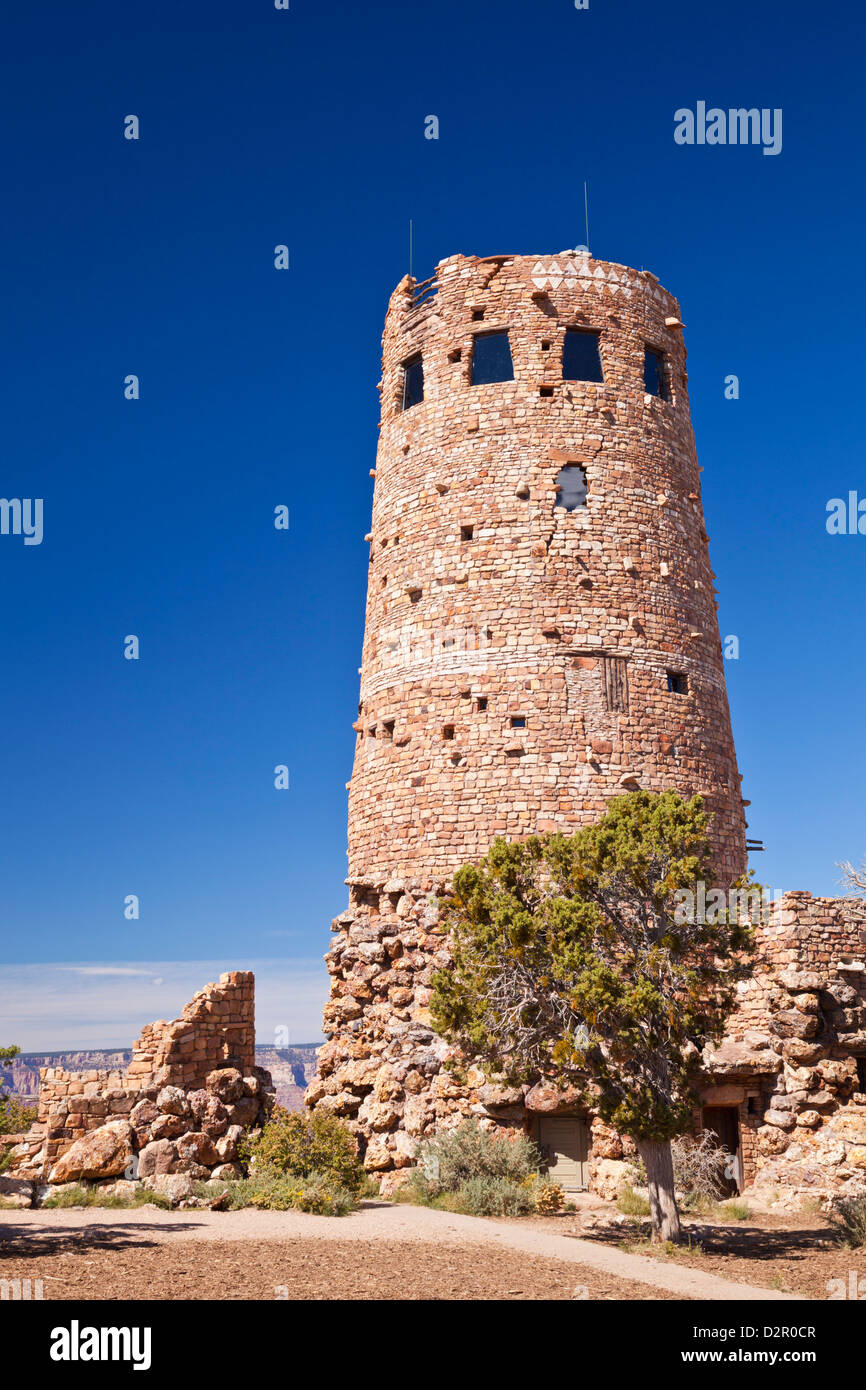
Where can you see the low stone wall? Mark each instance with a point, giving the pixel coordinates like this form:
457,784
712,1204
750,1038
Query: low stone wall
181,1107
788,1065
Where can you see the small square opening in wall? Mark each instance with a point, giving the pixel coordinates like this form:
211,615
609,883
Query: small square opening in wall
481,704
388,728
545,391
678,683
861,1073
545,345
455,355
571,487
477,315
448,731
518,721
466,533
413,382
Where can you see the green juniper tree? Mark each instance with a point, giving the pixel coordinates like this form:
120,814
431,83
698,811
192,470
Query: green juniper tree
574,961
14,1116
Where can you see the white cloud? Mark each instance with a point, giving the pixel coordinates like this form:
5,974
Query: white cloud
61,1007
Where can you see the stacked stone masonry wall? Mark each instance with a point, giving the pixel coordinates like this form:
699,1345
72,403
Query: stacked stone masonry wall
180,1107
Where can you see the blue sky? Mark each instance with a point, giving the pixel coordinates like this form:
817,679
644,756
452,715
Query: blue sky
155,257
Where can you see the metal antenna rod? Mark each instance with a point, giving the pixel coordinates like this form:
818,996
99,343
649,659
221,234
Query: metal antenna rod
410,246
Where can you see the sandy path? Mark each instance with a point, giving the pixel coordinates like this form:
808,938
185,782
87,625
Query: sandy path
378,1223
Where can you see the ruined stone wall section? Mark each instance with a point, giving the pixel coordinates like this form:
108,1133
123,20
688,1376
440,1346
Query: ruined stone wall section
790,1058
522,613
191,1088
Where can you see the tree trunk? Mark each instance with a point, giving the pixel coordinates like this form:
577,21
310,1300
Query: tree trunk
659,1164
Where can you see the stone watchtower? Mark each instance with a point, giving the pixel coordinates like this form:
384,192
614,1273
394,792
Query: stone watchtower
541,629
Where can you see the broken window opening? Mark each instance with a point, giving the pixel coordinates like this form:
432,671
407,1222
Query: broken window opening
655,374
491,359
581,359
678,683
571,487
413,382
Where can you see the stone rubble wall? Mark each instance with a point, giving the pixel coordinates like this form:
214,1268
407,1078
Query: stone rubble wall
181,1106
788,1062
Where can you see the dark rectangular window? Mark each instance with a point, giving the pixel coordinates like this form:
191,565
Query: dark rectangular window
491,359
581,360
571,487
481,703
467,532
678,684
615,673
413,382
518,721
861,1074
655,376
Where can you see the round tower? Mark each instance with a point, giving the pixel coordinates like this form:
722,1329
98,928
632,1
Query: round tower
541,628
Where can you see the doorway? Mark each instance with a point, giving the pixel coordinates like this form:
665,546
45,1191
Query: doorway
724,1121
564,1141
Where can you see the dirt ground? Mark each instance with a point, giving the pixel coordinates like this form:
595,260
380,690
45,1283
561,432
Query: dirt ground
795,1253
104,1264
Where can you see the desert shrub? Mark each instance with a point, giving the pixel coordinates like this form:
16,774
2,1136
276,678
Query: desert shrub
547,1197
82,1195
273,1190
455,1156
15,1116
303,1144
848,1216
492,1196
630,1203
699,1168
735,1211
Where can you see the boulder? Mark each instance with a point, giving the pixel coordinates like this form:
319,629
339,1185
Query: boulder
172,1101
174,1186
156,1158
197,1148
226,1083
227,1144
209,1113
168,1126
103,1153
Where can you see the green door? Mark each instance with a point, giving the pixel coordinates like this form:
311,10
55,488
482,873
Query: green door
564,1140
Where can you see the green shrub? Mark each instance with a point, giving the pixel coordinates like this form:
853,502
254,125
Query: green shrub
83,1196
493,1196
273,1190
455,1156
630,1203
548,1197
303,1144
15,1116
735,1211
848,1216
